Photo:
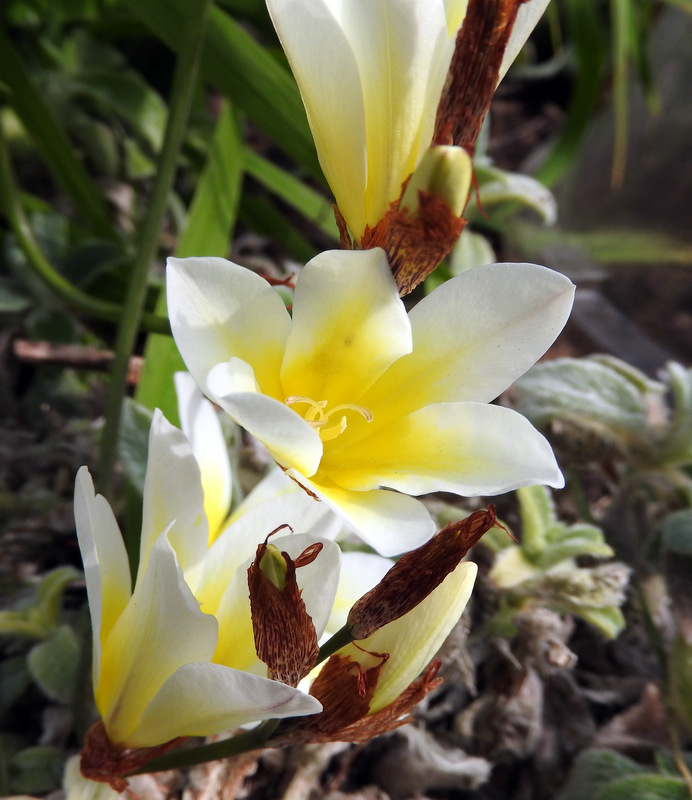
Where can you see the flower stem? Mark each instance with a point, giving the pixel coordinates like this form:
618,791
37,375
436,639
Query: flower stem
184,82
11,207
244,742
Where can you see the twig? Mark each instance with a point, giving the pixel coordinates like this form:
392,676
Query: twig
74,356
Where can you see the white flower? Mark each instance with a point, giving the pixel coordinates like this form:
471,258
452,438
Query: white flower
351,393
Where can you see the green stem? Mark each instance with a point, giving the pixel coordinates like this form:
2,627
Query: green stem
11,206
184,82
244,742
340,639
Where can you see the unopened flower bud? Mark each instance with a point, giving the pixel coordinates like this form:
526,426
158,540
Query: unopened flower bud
285,637
444,172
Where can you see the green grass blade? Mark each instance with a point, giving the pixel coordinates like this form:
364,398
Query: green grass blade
591,52
255,82
208,232
311,204
53,144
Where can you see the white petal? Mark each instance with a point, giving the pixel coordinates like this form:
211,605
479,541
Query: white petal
291,441
403,52
203,699
238,543
201,425
473,337
325,67
465,448
106,567
371,90
414,639
318,581
389,522
360,572
219,310
161,629
349,325
172,494
527,18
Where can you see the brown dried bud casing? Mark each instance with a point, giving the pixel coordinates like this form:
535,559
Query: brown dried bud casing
105,762
285,638
474,71
415,243
346,690
416,574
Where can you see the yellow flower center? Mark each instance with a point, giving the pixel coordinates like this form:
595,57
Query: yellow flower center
318,418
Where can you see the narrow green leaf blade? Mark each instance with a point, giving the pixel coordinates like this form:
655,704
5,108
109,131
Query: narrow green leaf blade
52,142
208,232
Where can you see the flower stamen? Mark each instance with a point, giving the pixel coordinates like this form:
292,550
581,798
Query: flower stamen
317,417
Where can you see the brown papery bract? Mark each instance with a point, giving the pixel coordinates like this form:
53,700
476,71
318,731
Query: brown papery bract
474,71
285,637
416,574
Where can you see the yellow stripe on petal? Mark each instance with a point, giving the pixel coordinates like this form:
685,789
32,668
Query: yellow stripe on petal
414,639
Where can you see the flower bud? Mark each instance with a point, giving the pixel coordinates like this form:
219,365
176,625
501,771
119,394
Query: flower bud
444,172
285,637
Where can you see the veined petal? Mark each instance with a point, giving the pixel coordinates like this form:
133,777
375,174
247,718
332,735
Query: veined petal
202,699
349,325
403,52
318,580
201,425
527,18
219,310
288,437
360,572
173,496
106,567
237,544
329,80
160,630
465,448
472,338
370,90
389,522
236,644
412,640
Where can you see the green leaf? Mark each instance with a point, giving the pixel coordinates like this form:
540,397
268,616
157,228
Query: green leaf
590,54
15,678
52,142
312,205
609,620
126,94
208,232
584,391
677,447
677,532
537,515
53,664
259,214
244,71
472,250
12,299
593,770
36,770
645,787
134,442
522,189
